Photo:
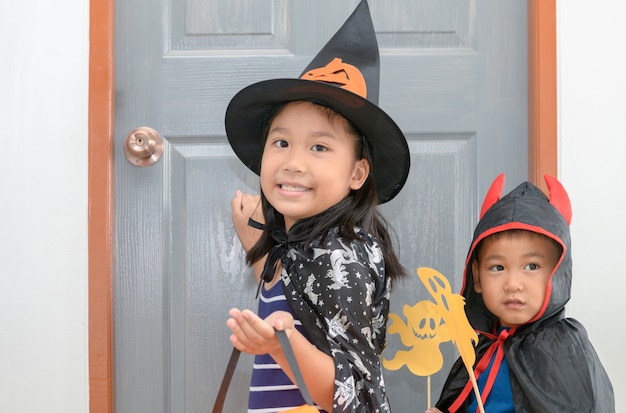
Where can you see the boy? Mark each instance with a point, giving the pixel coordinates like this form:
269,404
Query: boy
529,357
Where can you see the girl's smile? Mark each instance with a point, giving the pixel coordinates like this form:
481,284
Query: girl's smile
292,188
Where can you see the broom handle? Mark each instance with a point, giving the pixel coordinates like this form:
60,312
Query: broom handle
293,364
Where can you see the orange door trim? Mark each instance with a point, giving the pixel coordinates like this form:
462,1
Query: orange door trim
100,202
542,159
542,91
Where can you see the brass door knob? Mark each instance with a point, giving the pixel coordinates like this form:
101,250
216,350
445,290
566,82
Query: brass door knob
143,146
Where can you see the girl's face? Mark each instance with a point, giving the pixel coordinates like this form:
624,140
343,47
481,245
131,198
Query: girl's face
309,162
512,273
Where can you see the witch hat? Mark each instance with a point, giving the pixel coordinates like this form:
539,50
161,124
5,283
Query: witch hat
345,76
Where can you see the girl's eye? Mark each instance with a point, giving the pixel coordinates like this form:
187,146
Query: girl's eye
532,267
280,143
318,148
497,267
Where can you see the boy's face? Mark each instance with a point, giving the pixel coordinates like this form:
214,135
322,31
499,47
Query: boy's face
512,273
309,162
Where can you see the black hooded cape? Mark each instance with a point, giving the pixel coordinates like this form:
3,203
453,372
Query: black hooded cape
553,366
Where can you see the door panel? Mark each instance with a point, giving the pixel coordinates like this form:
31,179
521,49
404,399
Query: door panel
453,76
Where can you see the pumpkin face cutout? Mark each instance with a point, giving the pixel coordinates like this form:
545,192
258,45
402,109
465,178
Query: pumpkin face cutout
341,74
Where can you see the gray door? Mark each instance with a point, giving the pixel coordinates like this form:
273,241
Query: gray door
454,77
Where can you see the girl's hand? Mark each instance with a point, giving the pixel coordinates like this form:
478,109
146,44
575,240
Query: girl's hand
253,335
433,410
244,206
281,320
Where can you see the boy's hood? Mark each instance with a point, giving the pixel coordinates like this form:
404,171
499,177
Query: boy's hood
527,208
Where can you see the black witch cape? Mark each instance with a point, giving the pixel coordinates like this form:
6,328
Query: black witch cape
337,288
553,366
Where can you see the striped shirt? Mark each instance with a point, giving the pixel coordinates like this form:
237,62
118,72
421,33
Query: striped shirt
271,390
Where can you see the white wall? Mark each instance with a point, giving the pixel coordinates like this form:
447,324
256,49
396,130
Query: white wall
592,147
43,192
43,206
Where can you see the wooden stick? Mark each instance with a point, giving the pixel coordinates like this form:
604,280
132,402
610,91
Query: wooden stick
428,392
476,392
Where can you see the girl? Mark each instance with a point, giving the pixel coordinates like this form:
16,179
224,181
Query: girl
326,156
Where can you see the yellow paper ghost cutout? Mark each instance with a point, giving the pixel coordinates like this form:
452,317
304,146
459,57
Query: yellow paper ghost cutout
430,324
424,331
451,307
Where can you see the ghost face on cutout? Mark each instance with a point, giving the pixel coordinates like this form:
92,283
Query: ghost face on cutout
423,331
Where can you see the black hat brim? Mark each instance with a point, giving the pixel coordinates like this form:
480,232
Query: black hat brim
250,108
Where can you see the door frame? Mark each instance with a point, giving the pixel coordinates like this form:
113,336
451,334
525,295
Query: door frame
101,120
542,159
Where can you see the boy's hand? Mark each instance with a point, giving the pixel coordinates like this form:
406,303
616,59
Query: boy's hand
253,335
244,206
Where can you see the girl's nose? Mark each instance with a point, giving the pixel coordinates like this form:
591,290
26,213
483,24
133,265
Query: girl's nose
295,160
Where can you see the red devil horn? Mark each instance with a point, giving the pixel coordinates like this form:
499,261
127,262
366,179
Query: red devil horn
559,198
493,195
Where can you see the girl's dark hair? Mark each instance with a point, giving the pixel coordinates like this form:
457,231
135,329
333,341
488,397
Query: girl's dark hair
360,211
